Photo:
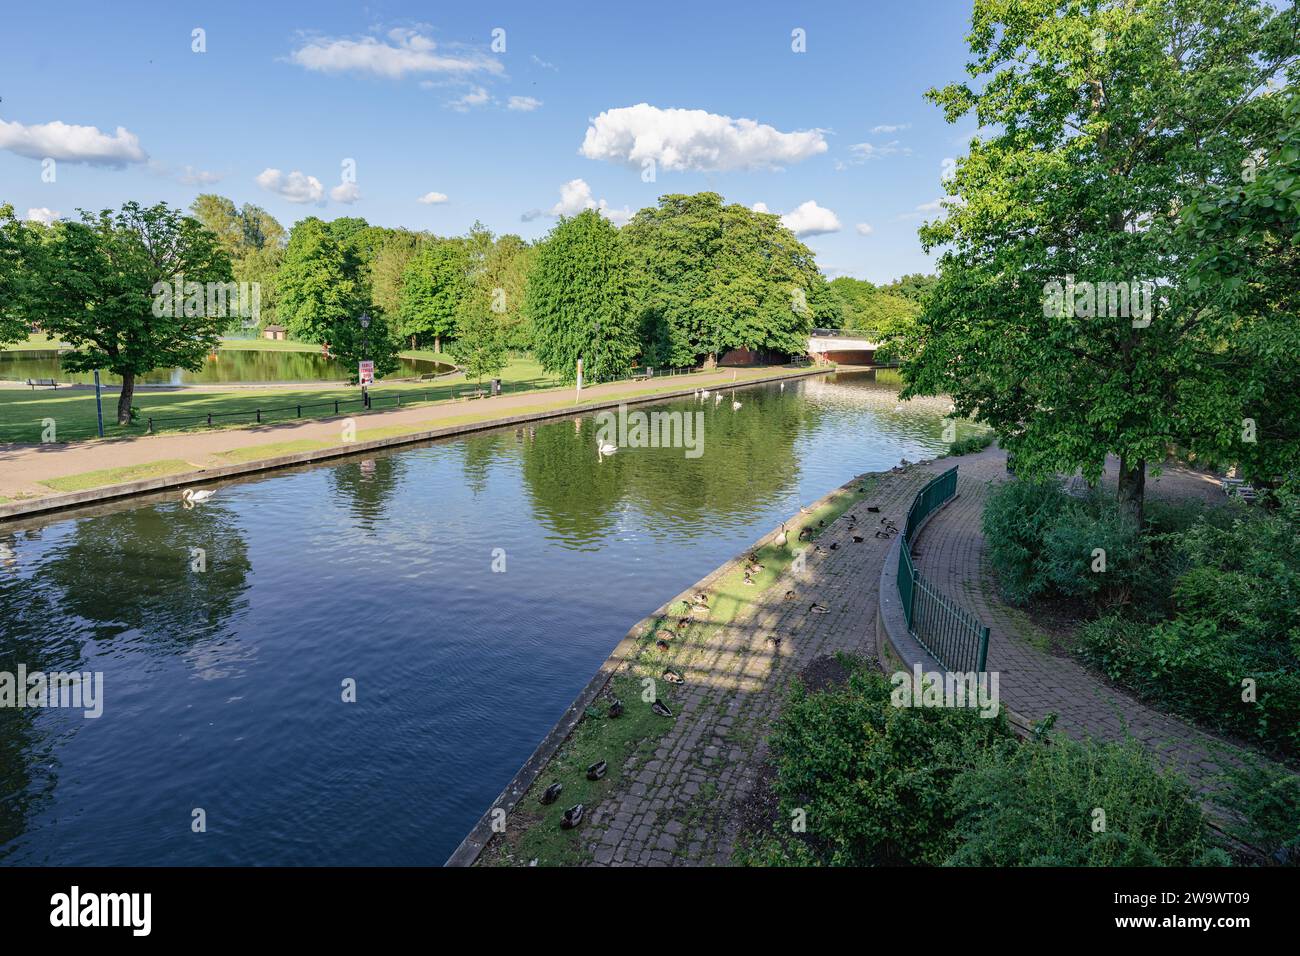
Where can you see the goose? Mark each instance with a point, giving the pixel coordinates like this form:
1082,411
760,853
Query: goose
194,497
782,537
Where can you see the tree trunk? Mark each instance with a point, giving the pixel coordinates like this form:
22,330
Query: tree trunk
124,398
1132,487
437,343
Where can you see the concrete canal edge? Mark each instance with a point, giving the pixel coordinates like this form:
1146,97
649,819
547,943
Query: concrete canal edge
625,651
80,499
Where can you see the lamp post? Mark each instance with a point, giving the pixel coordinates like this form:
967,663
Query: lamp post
365,353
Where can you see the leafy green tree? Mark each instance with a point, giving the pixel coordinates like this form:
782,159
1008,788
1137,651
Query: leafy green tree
1106,119
478,347
255,241
505,277
19,266
388,269
582,300
433,287
108,290
321,283
723,276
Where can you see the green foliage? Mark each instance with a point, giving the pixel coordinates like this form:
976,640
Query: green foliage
479,348
1267,799
434,285
970,445
582,300
19,246
720,277
321,284
106,288
1038,806
1017,518
897,785
1102,125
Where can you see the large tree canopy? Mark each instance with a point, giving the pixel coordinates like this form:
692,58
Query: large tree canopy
582,300
1104,120
433,287
721,277
108,287
19,267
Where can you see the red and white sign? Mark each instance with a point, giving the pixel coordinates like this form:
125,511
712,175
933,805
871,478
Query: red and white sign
366,373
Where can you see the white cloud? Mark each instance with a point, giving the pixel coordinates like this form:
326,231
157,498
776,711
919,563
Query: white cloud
189,176
524,104
575,197
476,96
678,139
863,151
432,199
890,128
345,193
760,207
295,187
810,219
864,228
408,52
41,214
72,144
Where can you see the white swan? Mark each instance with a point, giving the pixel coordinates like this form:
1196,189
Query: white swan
605,448
735,406
193,497
717,399
704,393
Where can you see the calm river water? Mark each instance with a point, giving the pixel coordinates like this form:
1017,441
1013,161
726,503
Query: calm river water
222,687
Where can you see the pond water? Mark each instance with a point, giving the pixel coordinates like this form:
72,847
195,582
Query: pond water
221,688
226,366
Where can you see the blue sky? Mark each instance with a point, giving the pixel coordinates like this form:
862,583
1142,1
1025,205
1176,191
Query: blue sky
415,95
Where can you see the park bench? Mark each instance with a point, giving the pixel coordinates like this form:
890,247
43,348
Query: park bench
470,393
1239,488
42,383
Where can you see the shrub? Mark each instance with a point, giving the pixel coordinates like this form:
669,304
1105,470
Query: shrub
1040,806
1069,552
1267,797
1016,520
971,444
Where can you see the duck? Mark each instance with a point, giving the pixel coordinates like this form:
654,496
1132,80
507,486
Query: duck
749,579
874,509
858,539
572,816
597,770
803,510
194,497
660,708
805,534
673,677
775,641
616,708
661,644
552,793
752,568
818,609
701,599
789,596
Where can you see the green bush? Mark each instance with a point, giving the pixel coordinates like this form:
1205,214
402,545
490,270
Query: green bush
881,784
971,444
1016,520
1267,798
1069,804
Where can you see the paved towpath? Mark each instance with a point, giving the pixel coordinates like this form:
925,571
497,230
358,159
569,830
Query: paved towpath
1033,682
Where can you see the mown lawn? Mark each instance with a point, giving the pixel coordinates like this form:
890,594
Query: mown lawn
23,411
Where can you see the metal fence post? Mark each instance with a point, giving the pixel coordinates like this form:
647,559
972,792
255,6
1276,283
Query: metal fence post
984,649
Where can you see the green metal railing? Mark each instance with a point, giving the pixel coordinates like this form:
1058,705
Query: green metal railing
952,634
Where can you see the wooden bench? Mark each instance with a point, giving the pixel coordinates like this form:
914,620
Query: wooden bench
1238,488
471,393
42,383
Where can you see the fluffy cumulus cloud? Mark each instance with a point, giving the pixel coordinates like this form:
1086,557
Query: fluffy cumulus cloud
810,219
677,139
760,207
403,52
72,144
523,104
864,228
345,193
42,214
295,186
477,96
433,199
575,197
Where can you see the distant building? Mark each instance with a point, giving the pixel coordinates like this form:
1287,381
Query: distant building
274,332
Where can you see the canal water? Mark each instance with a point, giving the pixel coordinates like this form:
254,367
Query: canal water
226,366
222,687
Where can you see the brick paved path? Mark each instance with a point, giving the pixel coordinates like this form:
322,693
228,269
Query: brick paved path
1033,682
675,808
